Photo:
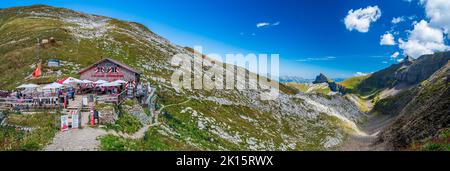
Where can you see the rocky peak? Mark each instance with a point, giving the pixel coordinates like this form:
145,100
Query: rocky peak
321,79
408,60
420,69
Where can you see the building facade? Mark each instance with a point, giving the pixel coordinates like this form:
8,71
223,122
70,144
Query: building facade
110,70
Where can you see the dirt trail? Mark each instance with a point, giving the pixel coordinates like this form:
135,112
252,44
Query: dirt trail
364,142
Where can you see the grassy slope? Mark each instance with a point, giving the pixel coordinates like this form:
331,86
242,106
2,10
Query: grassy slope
351,84
301,87
305,87
44,125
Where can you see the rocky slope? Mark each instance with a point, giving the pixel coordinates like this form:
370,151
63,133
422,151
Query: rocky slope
424,115
192,120
412,95
408,72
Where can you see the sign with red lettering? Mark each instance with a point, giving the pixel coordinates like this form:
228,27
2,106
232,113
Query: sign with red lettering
64,123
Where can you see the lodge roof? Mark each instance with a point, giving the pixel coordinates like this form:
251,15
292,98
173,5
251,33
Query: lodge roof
113,61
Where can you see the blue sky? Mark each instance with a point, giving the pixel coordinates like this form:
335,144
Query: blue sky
310,36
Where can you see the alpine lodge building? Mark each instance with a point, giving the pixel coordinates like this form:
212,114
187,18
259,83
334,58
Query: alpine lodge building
110,70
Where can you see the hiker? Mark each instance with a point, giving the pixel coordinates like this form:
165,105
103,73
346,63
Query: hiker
96,117
67,98
73,94
59,93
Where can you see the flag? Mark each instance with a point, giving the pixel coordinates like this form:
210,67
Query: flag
37,72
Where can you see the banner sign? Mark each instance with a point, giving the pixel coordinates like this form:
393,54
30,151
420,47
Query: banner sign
64,123
75,121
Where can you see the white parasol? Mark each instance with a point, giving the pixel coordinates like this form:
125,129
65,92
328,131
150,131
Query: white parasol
120,82
101,82
112,84
71,80
28,86
53,86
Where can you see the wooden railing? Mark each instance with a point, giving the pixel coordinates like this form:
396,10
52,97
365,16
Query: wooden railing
26,104
113,98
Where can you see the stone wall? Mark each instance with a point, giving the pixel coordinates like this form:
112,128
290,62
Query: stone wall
108,115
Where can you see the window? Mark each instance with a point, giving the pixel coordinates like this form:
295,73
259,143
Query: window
115,69
99,69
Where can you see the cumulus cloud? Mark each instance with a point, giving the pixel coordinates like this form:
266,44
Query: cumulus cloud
438,13
397,20
361,19
395,54
387,39
422,40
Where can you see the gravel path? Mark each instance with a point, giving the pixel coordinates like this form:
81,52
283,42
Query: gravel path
360,142
86,139
77,140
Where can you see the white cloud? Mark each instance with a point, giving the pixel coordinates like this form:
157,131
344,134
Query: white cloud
423,32
438,11
422,40
326,58
358,74
387,39
262,24
266,24
397,20
395,54
361,19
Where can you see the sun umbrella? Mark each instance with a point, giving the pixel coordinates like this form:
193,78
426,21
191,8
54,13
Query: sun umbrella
28,86
53,86
101,82
71,80
112,84
119,82
86,81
